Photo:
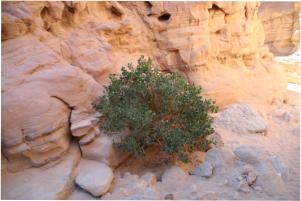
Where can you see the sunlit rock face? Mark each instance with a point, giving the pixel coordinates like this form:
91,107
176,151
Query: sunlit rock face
281,23
56,57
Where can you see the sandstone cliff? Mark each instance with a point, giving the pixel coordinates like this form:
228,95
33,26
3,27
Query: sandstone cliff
56,57
281,23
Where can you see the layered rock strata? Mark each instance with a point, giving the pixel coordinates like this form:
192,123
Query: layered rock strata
57,55
281,23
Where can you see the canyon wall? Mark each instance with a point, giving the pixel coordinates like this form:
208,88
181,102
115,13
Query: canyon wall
56,57
281,23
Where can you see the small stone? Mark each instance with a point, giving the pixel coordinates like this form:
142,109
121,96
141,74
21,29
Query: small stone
94,177
204,170
251,178
242,184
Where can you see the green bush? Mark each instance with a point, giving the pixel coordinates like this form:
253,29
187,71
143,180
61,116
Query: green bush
157,108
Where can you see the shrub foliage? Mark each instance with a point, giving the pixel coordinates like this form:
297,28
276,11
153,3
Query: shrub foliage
157,108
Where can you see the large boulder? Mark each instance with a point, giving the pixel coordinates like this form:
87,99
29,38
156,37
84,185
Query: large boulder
94,177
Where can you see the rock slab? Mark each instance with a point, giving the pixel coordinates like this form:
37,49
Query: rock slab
241,119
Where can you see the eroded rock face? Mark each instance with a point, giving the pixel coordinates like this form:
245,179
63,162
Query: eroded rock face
47,183
281,23
57,55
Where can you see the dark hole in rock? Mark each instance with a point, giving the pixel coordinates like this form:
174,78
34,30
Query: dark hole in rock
215,7
148,4
71,10
115,11
44,11
218,32
164,17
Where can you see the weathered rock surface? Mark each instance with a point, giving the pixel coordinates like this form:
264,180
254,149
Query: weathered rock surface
45,183
241,119
281,23
94,177
57,55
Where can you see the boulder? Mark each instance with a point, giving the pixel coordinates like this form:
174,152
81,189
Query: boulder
221,159
94,177
204,170
269,180
247,155
102,150
174,175
240,119
251,178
